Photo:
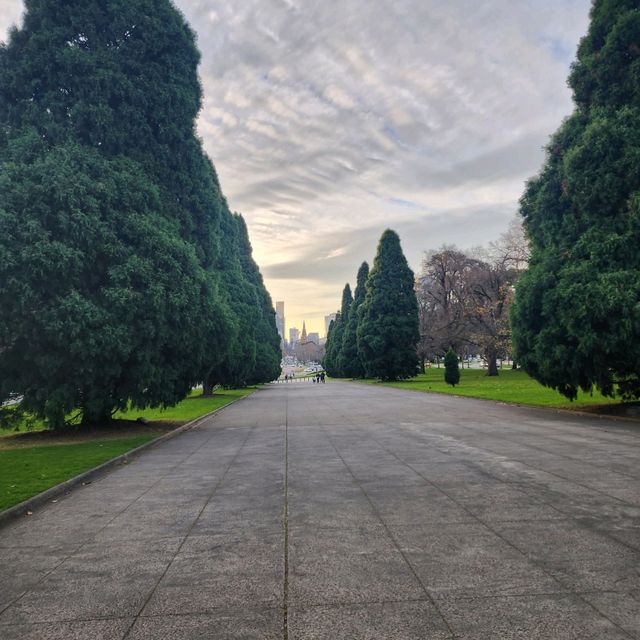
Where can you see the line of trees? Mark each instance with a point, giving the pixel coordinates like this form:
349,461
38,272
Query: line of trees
376,331
124,276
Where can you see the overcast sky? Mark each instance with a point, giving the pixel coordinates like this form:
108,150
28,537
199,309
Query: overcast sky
329,121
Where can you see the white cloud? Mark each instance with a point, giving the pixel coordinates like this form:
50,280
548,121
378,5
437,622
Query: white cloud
329,121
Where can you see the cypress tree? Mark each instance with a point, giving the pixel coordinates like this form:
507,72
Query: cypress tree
329,360
451,368
112,283
388,330
350,362
575,317
268,354
234,368
338,334
89,293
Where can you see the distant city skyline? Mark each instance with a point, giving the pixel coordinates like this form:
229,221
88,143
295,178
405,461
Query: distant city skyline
314,326
328,122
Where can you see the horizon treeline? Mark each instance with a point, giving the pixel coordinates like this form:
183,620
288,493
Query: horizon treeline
125,278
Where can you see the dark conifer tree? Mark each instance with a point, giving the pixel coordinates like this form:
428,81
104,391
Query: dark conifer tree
112,282
338,333
575,318
267,340
451,368
240,298
388,330
350,362
329,360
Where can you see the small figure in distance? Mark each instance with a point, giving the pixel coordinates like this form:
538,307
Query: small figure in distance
322,377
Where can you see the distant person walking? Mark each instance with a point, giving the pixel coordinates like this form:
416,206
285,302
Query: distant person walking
322,376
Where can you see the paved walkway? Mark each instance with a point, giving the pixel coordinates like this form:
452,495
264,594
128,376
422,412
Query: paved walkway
340,512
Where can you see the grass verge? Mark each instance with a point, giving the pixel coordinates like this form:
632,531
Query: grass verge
193,407
25,472
34,461
510,386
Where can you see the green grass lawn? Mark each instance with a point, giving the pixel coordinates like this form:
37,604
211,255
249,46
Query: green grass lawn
190,409
25,472
510,386
29,466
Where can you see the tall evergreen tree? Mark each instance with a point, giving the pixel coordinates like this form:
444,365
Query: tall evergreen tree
267,340
338,333
388,330
330,354
240,297
575,318
97,306
113,277
350,362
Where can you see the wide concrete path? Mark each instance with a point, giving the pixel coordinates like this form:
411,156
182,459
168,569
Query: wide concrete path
344,511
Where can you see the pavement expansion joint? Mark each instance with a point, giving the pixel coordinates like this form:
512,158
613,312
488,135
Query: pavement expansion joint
217,485
428,595
537,563
285,524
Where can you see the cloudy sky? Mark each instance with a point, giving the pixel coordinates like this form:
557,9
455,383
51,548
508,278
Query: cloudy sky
329,121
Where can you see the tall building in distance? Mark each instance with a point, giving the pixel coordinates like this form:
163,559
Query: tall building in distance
314,337
280,322
327,322
294,334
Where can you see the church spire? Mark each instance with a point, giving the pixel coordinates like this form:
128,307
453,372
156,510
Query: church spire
303,336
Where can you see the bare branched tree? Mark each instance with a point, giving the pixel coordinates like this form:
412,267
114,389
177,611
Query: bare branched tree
464,297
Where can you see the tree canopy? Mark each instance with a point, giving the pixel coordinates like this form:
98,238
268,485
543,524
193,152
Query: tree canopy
333,359
124,277
350,362
576,317
388,329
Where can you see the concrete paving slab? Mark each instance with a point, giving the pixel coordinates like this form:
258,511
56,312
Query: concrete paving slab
94,629
330,566
222,571
100,580
622,609
378,621
549,617
344,511
467,560
224,625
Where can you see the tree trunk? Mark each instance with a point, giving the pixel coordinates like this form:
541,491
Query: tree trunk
207,388
514,366
96,416
56,420
422,364
492,363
